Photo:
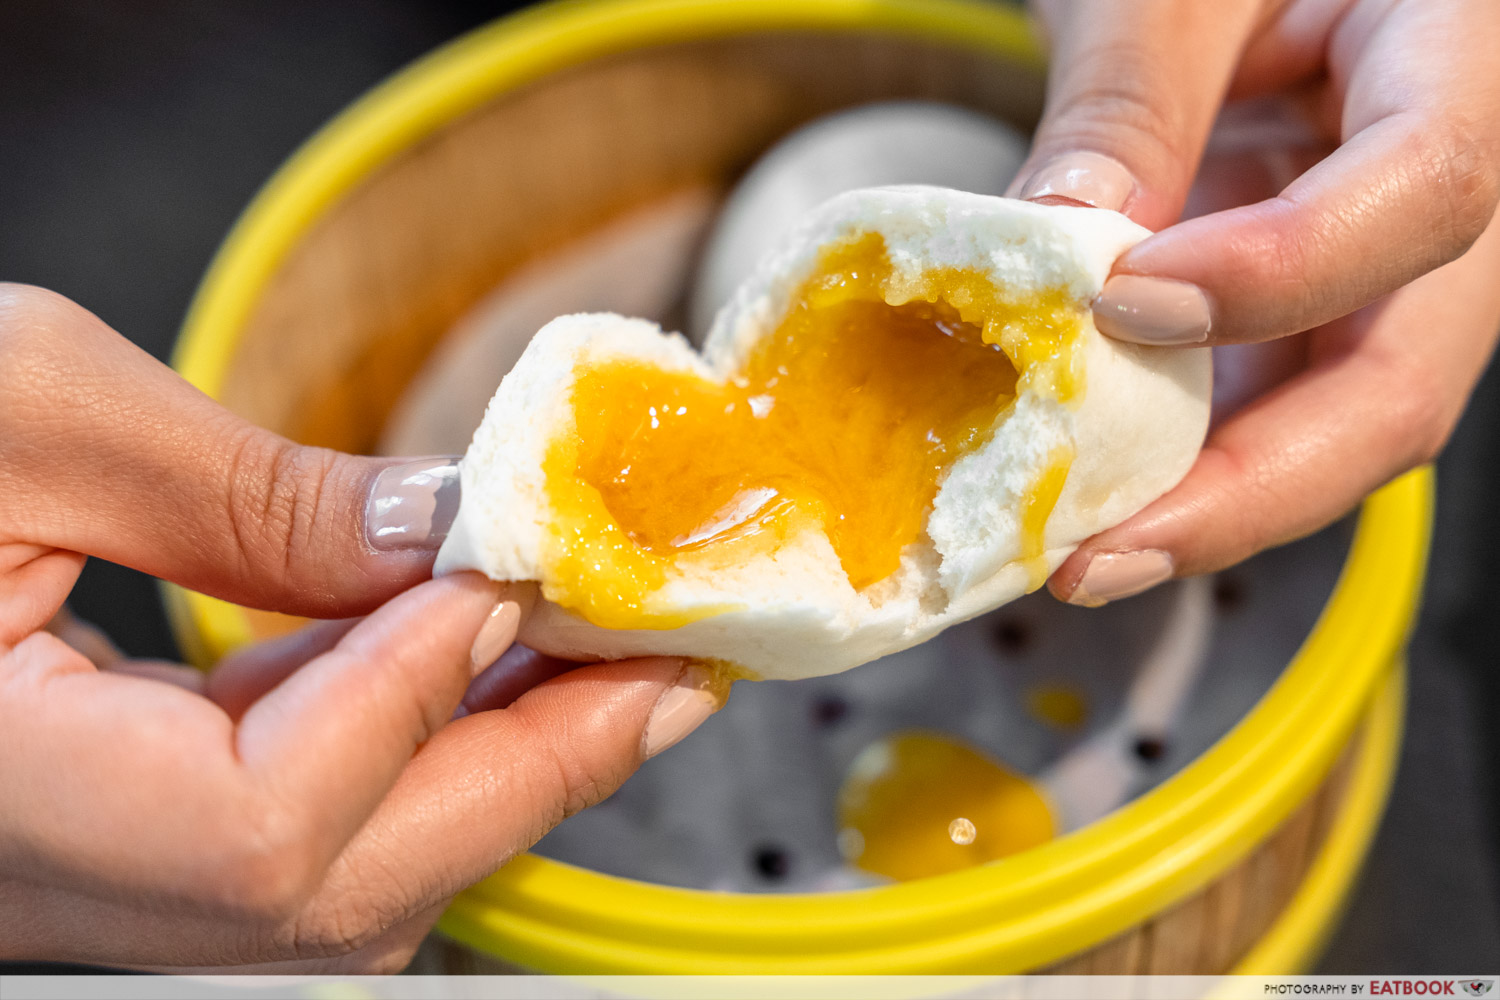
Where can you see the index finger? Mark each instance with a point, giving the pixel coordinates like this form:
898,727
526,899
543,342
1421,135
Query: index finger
1131,95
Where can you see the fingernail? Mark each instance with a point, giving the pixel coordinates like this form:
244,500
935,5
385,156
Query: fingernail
1113,575
412,505
1092,178
84,637
1146,310
700,691
495,636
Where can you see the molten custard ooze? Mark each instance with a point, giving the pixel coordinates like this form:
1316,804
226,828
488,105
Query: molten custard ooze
842,420
918,804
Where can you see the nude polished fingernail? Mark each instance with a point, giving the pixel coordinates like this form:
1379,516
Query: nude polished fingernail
699,692
496,635
1092,178
1113,575
412,505
1158,311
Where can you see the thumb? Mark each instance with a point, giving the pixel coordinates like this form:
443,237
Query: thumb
107,452
1132,92
491,784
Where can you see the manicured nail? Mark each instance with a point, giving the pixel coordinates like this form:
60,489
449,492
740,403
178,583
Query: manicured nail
495,636
1092,178
1146,310
412,505
700,691
84,637
1113,575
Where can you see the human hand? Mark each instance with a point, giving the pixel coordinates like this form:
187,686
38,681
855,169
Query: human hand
1355,200
309,806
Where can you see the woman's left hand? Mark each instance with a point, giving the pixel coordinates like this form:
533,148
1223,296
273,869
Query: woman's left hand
313,803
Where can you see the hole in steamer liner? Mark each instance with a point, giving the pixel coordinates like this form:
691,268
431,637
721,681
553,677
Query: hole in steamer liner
771,862
1150,748
829,710
1012,636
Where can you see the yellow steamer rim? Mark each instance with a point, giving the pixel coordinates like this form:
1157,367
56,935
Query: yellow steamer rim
1012,915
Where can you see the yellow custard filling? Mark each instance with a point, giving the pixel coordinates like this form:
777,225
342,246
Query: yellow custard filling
918,804
843,419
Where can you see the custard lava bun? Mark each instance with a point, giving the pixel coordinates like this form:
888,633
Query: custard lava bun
904,418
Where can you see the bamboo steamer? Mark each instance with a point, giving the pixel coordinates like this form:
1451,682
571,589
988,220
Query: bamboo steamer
391,223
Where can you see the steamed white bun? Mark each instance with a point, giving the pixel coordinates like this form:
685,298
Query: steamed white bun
892,142
1133,430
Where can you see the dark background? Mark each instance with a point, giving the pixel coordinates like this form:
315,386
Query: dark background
131,135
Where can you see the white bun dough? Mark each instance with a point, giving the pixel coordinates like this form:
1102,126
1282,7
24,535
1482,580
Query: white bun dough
1134,429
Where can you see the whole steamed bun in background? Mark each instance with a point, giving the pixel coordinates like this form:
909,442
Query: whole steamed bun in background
876,145
903,418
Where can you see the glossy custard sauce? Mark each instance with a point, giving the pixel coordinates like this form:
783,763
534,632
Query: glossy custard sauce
842,420
918,804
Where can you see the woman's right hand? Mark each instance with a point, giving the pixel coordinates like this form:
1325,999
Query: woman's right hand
309,806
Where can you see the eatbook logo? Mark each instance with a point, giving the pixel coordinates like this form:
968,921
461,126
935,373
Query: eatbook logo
1477,987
